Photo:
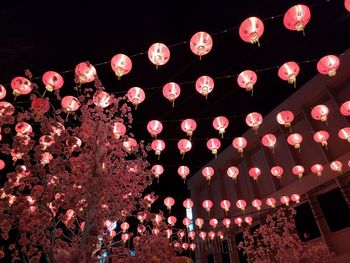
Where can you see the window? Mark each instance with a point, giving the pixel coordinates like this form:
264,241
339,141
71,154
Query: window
305,223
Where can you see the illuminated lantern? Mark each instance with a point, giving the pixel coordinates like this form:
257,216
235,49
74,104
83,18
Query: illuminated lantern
336,166
220,234
184,146
225,204
158,146
317,169
204,85
121,65
328,65
202,235
171,91
52,81
46,158
189,126
295,140
188,204
186,221
191,235
344,134
201,43
154,127
73,142
295,198
158,54
289,72
271,202
320,113
129,144
181,234
241,204
22,171
211,235
277,171
298,170
70,103
248,220
23,128
124,226
2,164
254,172
213,222
2,92
101,99
141,216
207,205
85,72
156,231
171,220
199,222
169,202
239,143
285,118
257,204
321,137
251,30
6,108
118,129
285,200
269,140
347,5
183,171
254,120
238,221
220,124
297,17
226,222
21,86
168,232
157,170
345,108
157,219
208,173
125,237
214,145
192,246
232,172
136,96
247,79
40,106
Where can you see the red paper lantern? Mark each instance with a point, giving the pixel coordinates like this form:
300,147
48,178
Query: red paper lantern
239,143
336,166
289,72
186,221
298,170
328,65
183,171
202,235
154,127
347,5
172,220
6,108
295,198
254,120
254,172
85,72
52,81
73,142
158,54
184,146
257,204
191,235
199,222
213,222
171,91
204,85
225,204
2,164
188,203
118,129
232,172
211,235
129,144
220,124
251,30
136,96
297,17
238,221
125,237
344,134
277,171
226,222
124,226
40,106
192,246
345,108
208,173
285,200
157,170
271,202
295,140
168,232
21,86
321,137
214,145
317,169
248,220
142,216
2,92
269,140
181,234
247,79
201,43
241,204
23,128
102,99
169,202
70,103
320,112
207,205
285,118
189,126
121,65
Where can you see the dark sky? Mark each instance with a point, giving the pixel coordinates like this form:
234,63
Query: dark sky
57,35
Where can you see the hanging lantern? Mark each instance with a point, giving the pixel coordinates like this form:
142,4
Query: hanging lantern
102,99
158,146
52,81
285,200
191,235
124,226
220,234
73,142
289,72
347,5
202,235
118,129
171,220
125,237
181,234
320,113
188,204
23,128
232,172
208,173
211,235
345,108
129,144
85,72
241,204
70,103
199,222
169,202
328,65
214,145
2,92
277,171
40,106
317,169
204,85
201,43
225,204
254,120
247,79
184,146
157,219
6,108
186,221
136,96
213,222
271,202
220,124
298,170
248,220
168,232
157,171
251,30
171,91
285,118
207,205
257,204
336,166
239,143
21,86
254,172
154,127
297,17
295,140
344,134
192,246
121,65
295,198
269,140
238,221
189,126
185,246
226,222
183,171
321,137
2,164
142,216
158,54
